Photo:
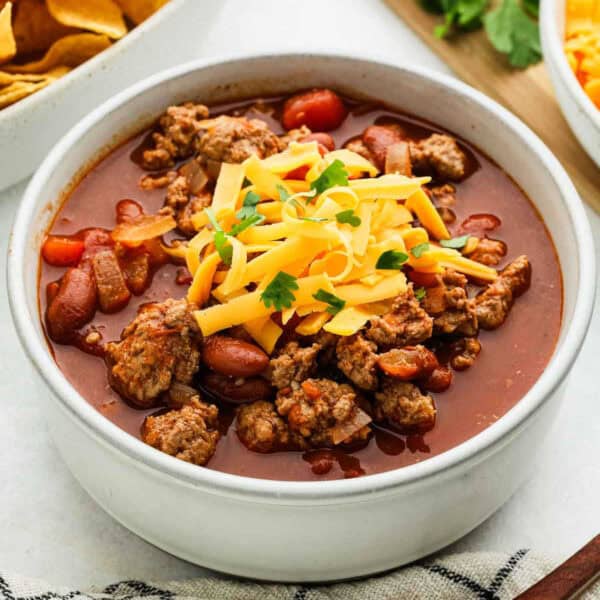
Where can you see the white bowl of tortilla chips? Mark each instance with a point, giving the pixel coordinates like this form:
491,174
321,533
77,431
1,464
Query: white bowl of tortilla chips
61,58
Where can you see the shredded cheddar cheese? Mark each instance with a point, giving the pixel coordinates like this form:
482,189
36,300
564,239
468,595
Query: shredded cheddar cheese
324,240
582,45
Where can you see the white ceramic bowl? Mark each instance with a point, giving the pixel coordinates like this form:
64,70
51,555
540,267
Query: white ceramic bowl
305,531
29,128
581,113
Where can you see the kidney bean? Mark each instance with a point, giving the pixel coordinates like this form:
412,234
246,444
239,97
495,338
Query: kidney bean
73,305
233,357
236,391
319,110
95,240
378,138
323,139
479,224
128,210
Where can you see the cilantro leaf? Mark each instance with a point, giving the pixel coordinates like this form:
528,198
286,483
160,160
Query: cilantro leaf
417,251
420,293
456,243
513,33
334,174
249,221
223,247
248,206
335,304
532,7
391,259
462,15
279,292
348,216
284,195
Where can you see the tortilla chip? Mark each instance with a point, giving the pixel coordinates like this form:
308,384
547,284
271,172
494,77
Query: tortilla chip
19,90
8,46
8,78
34,27
69,51
24,85
100,16
139,10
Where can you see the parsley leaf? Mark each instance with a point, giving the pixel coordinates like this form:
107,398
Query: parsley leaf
391,259
284,195
222,246
513,33
456,243
348,216
420,293
248,206
532,7
335,304
462,15
417,251
334,174
249,221
279,292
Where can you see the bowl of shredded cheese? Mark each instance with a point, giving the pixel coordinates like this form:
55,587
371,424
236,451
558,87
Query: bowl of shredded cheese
570,31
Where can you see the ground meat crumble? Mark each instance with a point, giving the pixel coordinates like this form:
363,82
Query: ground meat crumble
160,346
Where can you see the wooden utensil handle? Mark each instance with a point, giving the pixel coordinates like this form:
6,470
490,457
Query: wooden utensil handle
570,578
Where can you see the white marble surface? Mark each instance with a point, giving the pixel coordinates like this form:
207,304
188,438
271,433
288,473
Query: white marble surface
49,527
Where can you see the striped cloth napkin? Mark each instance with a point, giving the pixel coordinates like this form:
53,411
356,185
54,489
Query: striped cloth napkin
488,576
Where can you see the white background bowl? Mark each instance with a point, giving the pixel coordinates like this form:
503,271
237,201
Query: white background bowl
304,530
29,128
580,112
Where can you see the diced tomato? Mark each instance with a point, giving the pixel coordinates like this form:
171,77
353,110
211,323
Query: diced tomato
61,251
310,389
299,173
319,110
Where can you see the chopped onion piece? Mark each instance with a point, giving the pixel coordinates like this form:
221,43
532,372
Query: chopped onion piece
343,431
143,228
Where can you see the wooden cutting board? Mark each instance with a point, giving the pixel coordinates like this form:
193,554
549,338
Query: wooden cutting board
527,93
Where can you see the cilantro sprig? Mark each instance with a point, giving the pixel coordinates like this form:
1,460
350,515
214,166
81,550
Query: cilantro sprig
279,293
513,33
511,26
391,260
335,304
334,174
456,243
222,246
247,219
348,216
417,251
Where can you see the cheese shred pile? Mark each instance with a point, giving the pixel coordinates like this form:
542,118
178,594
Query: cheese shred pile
322,239
582,45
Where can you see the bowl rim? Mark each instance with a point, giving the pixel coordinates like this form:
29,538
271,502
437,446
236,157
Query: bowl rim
293,491
553,46
90,66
